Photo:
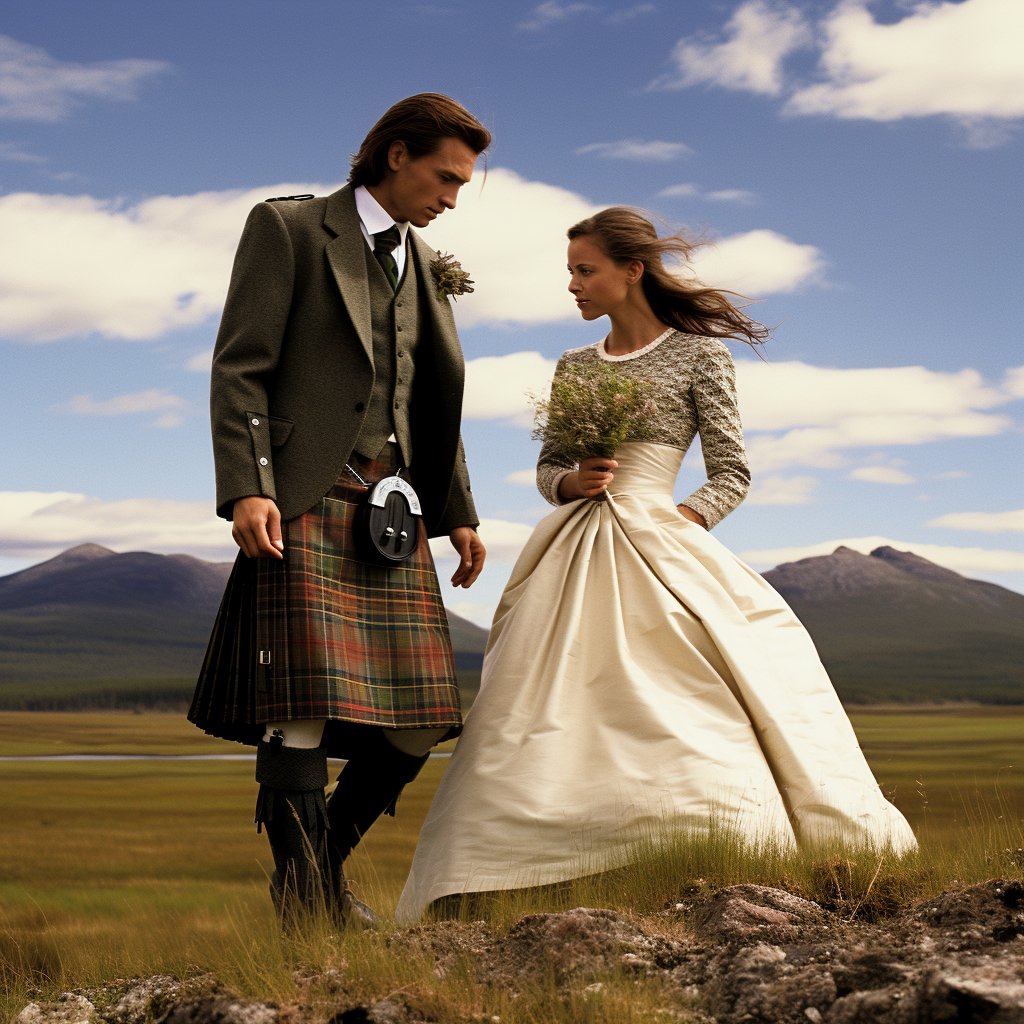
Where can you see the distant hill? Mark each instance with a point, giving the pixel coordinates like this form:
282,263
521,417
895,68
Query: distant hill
94,627
892,626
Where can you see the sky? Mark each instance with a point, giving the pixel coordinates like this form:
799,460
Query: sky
856,167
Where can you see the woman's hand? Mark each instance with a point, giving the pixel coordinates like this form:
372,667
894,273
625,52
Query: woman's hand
695,517
594,476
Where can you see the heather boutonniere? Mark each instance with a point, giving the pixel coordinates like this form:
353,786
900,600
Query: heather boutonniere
450,278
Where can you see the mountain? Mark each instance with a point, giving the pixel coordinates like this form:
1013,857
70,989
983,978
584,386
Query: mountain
892,626
95,628
114,626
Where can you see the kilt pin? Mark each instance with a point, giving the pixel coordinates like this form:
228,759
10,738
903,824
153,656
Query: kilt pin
330,372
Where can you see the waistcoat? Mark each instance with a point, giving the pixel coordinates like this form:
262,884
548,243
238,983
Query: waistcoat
395,324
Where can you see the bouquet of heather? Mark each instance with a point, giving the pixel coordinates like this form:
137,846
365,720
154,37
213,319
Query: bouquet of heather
591,411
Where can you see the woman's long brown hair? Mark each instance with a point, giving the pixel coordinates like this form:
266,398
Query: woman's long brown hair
685,305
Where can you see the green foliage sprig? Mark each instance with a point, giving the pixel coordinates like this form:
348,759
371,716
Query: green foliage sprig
450,278
592,410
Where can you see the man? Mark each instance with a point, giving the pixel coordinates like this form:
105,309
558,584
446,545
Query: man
337,364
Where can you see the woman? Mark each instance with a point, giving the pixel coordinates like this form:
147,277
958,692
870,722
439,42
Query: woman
637,672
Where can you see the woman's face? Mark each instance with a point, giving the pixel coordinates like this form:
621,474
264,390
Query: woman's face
598,284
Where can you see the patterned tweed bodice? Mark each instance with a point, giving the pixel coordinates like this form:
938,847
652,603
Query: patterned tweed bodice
693,382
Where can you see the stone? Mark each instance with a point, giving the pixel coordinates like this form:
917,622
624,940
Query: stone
743,911
221,1010
68,1009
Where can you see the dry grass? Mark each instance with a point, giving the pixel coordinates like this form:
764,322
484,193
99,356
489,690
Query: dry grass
118,869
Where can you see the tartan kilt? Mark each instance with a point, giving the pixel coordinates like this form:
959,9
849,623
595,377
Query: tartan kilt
341,638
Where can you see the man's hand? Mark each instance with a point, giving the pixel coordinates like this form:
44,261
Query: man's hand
471,554
593,477
256,527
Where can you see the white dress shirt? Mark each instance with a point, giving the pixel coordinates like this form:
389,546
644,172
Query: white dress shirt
373,219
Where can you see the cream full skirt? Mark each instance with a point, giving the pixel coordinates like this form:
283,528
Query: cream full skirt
638,674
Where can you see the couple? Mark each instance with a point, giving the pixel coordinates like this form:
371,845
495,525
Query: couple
636,671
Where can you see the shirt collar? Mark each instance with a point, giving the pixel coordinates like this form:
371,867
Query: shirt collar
374,217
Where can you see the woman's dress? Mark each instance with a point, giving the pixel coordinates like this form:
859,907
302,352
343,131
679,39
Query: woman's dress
639,675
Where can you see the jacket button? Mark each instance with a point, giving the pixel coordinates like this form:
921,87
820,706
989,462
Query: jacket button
399,326
255,422
263,462
359,407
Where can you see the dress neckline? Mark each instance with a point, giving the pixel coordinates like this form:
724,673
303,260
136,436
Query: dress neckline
604,354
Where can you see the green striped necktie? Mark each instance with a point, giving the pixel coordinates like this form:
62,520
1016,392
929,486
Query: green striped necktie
384,245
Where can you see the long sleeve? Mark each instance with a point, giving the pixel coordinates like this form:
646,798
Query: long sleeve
460,510
246,354
721,436
552,465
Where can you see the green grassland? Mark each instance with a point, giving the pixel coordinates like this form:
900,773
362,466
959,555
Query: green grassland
115,869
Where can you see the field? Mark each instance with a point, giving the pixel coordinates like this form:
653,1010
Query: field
113,869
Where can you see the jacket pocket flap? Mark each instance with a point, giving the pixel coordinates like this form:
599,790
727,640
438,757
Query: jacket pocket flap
279,431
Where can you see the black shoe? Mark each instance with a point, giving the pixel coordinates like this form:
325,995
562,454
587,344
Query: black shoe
348,908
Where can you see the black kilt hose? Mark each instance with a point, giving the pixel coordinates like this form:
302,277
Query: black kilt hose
325,634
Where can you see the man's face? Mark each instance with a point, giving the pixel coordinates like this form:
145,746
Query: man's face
418,190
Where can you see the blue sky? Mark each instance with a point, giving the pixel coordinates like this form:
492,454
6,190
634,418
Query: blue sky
857,164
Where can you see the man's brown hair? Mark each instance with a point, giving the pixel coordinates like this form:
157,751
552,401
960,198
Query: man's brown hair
422,122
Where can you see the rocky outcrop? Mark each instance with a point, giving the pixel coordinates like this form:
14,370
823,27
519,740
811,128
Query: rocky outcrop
739,954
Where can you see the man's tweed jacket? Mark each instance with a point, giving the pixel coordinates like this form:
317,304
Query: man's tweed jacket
293,366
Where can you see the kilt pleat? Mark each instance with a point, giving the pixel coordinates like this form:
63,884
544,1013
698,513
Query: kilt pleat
326,634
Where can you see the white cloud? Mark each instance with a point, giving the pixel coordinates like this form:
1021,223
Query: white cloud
962,560
510,235
1013,382
775,489
881,475
724,195
13,153
136,272
201,362
635,149
503,540
139,401
758,262
36,87
962,59
796,414
686,188
620,17
550,13
759,37
129,272
40,525
733,195
522,478
982,522
496,386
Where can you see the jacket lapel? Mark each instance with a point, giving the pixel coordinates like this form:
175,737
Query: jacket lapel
447,349
347,261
